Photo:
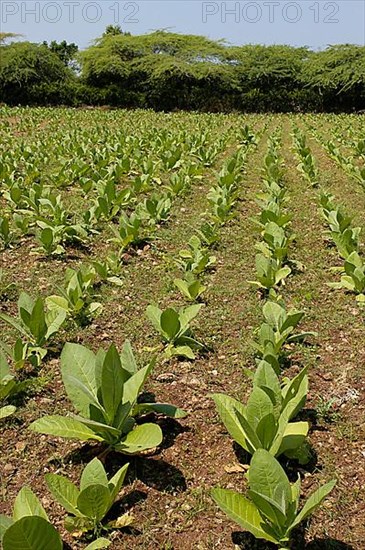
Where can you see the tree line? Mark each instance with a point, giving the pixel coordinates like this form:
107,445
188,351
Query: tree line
168,71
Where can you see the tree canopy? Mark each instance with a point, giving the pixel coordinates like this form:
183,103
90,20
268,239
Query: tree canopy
167,71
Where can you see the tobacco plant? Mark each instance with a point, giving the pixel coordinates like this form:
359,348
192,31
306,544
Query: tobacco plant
278,330
88,505
37,324
272,510
264,423
174,327
269,273
104,389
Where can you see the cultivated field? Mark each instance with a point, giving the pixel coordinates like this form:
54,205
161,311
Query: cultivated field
229,248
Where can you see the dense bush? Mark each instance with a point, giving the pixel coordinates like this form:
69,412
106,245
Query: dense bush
167,71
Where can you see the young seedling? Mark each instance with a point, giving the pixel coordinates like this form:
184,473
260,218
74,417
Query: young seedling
36,325
174,327
190,287
269,273
278,330
89,504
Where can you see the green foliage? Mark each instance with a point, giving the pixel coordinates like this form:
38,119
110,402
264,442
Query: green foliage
195,259
174,327
104,389
269,273
6,234
272,510
31,73
156,209
275,242
129,231
29,527
264,423
278,330
190,287
89,504
9,386
36,325
76,298
353,278
209,234
166,71
271,213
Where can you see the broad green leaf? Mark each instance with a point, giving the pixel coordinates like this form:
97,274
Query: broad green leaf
113,377
57,303
78,362
187,314
292,320
64,491
5,523
141,438
153,314
27,504
266,379
6,411
94,501
259,405
134,384
127,358
116,482
293,437
266,430
4,367
46,237
227,407
106,431
37,323
61,426
32,533
181,351
274,314
78,385
54,321
25,302
252,440
242,511
268,481
170,324
93,474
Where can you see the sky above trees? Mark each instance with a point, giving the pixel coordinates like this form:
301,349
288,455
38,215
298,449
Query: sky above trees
304,22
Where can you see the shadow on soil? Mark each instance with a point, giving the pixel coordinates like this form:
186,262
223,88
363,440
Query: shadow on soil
158,474
151,470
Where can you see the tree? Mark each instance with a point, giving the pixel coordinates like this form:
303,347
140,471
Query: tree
33,74
337,75
6,35
66,52
114,30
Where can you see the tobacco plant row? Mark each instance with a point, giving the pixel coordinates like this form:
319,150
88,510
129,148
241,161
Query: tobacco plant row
266,426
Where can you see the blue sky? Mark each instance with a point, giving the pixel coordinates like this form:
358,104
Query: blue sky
314,23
